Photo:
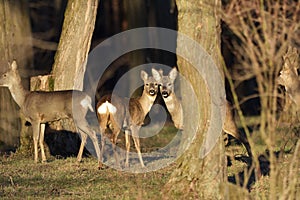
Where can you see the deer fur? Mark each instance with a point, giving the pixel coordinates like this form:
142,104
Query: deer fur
40,108
290,80
166,84
116,114
229,127
175,108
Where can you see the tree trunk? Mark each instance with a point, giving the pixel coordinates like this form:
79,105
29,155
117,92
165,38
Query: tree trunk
74,45
195,177
15,43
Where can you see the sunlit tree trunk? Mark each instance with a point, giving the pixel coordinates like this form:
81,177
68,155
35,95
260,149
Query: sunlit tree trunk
194,177
74,45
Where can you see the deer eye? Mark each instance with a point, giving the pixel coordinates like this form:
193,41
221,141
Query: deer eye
147,84
156,84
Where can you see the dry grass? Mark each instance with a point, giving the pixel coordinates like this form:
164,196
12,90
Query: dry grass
65,179
21,178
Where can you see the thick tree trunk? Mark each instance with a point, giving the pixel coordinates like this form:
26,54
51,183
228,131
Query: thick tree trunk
74,45
15,43
195,177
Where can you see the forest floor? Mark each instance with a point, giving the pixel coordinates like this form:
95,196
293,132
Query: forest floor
21,178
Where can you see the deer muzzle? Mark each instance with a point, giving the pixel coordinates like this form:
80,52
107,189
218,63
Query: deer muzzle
165,94
152,92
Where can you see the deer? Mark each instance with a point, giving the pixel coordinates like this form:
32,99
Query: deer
40,108
173,104
289,78
118,113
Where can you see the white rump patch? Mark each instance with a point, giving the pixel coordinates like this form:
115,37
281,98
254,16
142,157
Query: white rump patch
107,107
86,103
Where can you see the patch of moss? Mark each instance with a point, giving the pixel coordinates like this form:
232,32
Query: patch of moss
51,83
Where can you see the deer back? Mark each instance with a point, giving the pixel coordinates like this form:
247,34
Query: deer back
52,106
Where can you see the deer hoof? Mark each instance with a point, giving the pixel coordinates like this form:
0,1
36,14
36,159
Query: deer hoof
101,166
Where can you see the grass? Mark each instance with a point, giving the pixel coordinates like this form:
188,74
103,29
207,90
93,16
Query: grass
65,179
21,178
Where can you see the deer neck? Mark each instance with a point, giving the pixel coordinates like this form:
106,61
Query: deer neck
18,93
171,102
146,101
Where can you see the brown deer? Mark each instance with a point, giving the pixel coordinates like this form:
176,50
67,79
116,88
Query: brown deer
290,80
40,108
166,84
128,114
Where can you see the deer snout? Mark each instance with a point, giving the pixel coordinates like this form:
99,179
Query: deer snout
152,92
165,94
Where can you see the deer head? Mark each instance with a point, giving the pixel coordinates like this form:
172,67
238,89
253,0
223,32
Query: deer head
166,82
11,76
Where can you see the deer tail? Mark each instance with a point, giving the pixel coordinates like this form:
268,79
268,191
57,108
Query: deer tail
106,108
87,103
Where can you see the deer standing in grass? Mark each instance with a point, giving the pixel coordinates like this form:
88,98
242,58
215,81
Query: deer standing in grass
40,108
166,84
128,114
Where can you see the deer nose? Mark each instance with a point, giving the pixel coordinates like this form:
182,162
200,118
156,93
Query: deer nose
165,94
152,92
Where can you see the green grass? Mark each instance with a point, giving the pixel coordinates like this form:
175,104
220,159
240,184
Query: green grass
21,178
65,179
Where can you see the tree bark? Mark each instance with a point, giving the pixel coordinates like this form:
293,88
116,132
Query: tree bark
15,44
74,45
194,177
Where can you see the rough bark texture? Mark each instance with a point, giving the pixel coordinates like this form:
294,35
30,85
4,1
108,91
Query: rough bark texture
194,177
74,44
15,43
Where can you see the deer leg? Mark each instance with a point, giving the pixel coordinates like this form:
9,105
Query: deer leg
116,155
83,142
36,132
114,145
83,126
136,140
127,143
102,147
41,139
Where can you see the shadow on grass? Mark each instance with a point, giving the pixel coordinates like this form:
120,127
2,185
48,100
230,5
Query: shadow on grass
62,143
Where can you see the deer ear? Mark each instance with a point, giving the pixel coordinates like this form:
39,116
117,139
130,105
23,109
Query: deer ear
14,65
156,75
173,74
144,75
161,72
